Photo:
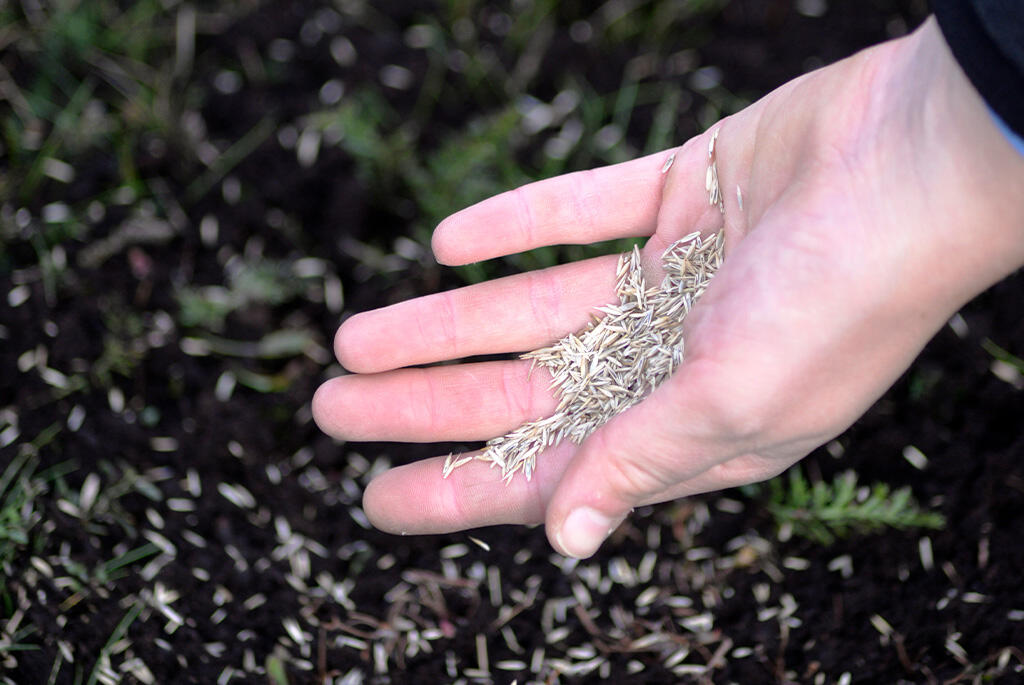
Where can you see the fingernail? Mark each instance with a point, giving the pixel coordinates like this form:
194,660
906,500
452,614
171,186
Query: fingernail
583,531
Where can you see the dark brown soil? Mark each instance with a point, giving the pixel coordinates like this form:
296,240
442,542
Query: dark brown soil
295,577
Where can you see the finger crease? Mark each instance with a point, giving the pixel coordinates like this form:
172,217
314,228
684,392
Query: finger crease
524,213
583,210
544,303
520,408
432,404
446,321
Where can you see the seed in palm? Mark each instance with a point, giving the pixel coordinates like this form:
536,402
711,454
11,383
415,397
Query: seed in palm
617,361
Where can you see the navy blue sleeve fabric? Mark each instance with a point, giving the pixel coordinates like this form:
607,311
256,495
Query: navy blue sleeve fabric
987,39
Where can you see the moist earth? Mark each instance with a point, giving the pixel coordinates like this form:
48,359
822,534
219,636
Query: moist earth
226,543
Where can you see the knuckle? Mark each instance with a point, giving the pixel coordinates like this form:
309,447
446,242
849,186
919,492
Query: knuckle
582,183
517,404
524,214
545,301
625,475
446,319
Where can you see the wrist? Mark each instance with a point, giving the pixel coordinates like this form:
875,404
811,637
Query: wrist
1015,139
972,175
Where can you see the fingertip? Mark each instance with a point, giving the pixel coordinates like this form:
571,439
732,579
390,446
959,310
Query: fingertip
595,494
583,531
341,409
438,244
342,344
410,499
378,502
350,345
320,406
445,243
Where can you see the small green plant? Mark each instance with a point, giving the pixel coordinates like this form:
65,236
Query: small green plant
824,511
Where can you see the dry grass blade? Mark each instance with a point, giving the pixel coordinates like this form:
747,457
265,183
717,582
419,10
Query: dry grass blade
617,360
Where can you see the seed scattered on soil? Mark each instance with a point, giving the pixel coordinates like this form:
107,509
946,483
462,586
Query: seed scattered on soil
924,546
915,457
615,362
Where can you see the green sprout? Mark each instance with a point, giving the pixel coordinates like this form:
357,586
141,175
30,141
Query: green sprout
823,512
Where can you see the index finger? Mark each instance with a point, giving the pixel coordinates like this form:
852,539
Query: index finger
617,201
509,314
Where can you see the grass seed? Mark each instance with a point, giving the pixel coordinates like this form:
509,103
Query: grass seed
615,362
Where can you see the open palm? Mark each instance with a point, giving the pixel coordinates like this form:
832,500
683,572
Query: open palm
828,291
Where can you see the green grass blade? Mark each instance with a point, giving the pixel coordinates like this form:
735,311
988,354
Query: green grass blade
119,632
129,557
231,157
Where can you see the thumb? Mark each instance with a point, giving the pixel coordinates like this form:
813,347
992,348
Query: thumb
636,458
594,496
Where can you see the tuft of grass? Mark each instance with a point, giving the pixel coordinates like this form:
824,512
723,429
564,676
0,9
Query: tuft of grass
75,52
119,633
529,128
250,281
15,642
124,345
21,485
465,167
824,511
18,514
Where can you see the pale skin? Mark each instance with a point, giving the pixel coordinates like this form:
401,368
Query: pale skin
877,198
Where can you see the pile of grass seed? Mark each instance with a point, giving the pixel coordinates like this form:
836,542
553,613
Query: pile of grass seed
617,360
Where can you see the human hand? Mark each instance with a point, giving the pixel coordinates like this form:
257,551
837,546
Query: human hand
867,219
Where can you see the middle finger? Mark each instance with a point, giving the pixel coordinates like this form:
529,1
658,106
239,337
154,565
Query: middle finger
511,314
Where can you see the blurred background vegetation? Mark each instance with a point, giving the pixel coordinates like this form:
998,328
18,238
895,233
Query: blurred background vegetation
134,123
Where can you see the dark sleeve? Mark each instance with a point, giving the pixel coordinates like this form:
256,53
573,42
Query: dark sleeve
987,39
